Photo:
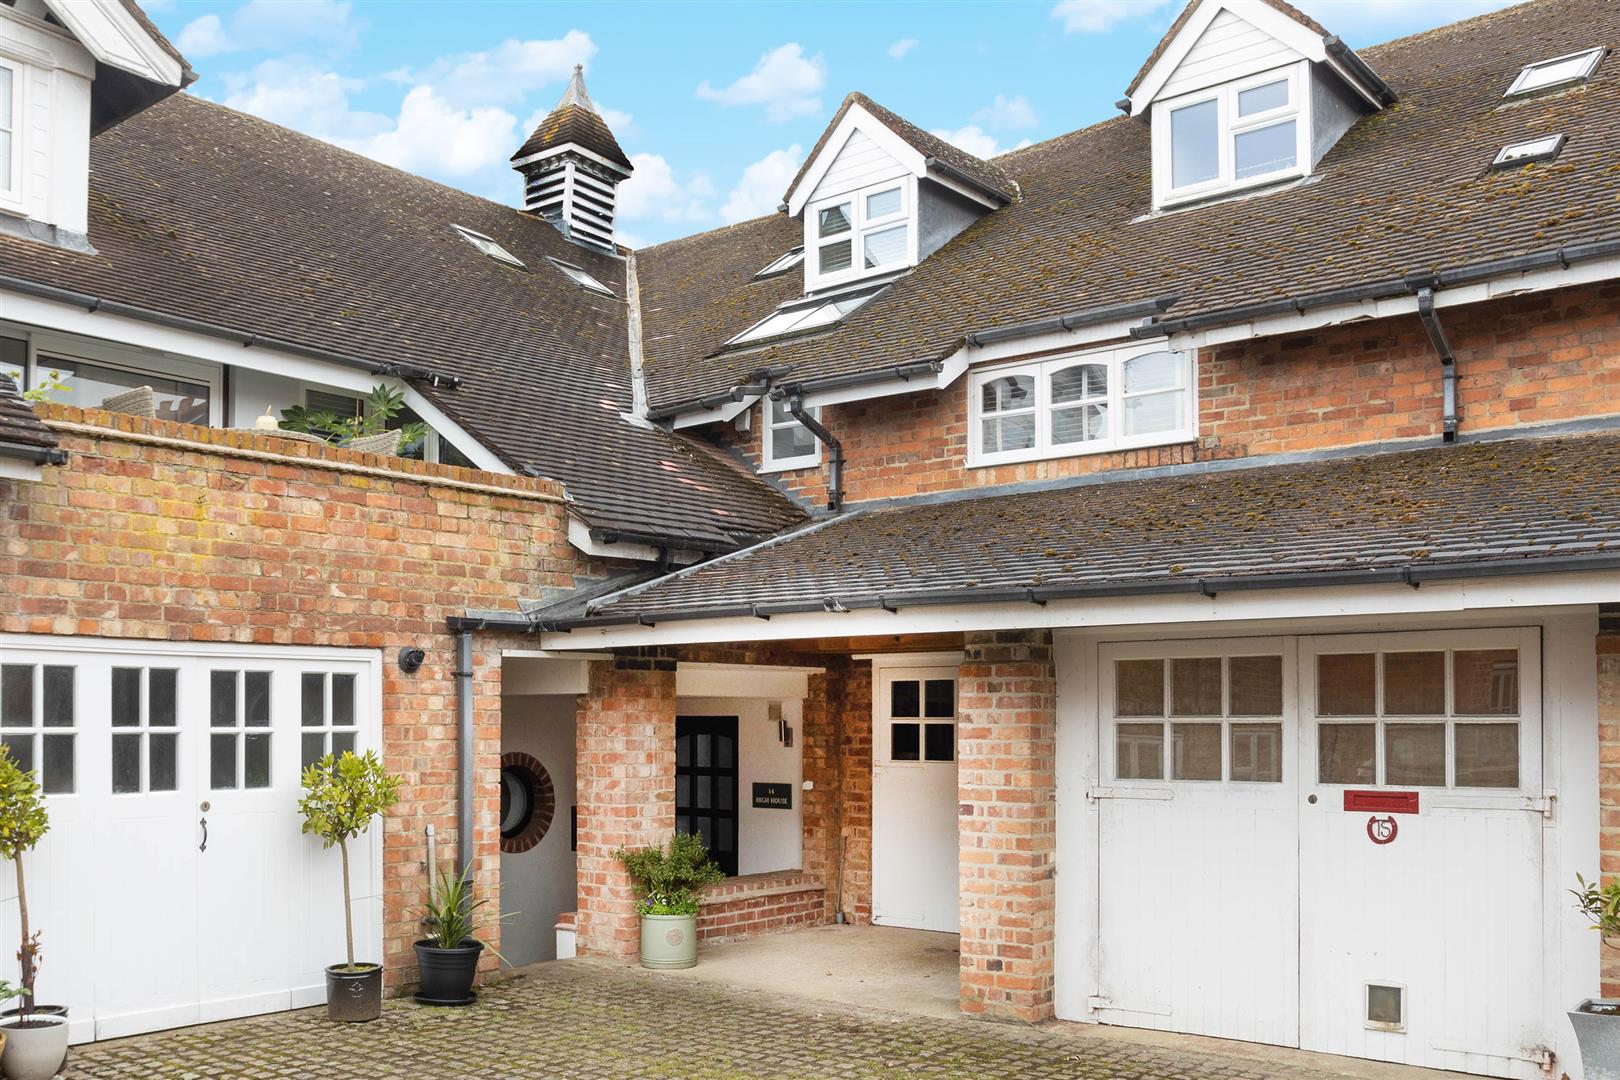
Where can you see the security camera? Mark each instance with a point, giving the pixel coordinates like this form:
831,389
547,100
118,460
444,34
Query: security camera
410,660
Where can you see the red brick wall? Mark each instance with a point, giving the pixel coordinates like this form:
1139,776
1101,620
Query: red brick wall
761,904
234,537
1608,666
1007,823
1532,359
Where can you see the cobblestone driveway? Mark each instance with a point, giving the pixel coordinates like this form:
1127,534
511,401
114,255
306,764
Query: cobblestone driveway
594,1021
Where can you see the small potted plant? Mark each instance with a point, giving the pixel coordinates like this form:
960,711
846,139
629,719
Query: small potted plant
448,956
668,884
341,799
36,1038
1597,1020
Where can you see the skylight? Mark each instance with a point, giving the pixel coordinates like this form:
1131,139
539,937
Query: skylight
1522,153
803,315
488,246
793,258
1553,74
580,276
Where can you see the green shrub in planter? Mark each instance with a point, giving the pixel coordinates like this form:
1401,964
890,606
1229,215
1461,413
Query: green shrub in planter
668,884
1597,1021
36,1040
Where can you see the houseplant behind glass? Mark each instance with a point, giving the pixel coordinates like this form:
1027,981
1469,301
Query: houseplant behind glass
1597,1020
341,798
668,885
448,956
36,1040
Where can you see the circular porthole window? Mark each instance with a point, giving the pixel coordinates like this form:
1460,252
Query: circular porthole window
527,802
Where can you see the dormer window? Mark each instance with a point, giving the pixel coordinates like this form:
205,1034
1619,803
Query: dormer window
1241,134
1555,74
860,233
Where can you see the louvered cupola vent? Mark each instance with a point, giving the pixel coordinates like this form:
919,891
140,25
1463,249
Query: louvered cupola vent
572,167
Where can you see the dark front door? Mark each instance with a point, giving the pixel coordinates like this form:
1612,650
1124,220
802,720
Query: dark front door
706,784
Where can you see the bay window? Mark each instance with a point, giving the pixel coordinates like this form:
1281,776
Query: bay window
1122,398
1250,131
860,233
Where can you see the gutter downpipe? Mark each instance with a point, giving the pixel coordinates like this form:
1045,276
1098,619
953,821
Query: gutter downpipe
835,449
464,747
1448,361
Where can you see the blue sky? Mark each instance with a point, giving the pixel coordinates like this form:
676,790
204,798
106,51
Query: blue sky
716,103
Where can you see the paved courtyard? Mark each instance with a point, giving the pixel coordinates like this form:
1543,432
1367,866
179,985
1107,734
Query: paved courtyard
592,1021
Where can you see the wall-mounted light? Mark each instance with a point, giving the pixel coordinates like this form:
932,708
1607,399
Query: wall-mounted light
410,659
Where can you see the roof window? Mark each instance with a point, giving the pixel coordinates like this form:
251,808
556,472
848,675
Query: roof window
1523,153
1555,74
801,316
488,246
581,277
781,265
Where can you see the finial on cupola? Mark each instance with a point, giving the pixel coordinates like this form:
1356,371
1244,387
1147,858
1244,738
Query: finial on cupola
572,167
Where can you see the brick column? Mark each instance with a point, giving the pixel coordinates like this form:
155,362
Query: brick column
625,788
1007,823
1608,672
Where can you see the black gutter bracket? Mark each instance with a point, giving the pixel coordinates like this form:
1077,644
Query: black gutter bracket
1448,361
835,449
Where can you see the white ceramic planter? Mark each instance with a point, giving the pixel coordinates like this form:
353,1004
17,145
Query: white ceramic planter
34,1052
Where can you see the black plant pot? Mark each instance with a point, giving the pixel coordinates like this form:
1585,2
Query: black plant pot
447,974
353,997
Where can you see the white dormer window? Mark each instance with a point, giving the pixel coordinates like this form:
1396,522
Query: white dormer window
788,444
1241,134
1555,74
860,233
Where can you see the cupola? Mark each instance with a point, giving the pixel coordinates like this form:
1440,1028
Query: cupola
572,167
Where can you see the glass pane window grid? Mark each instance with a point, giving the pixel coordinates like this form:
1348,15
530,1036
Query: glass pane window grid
239,730
922,715
1224,693
39,722
867,231
328,714
1242,132
145,705
788,444
1419,718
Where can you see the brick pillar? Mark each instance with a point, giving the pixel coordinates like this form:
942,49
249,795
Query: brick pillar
1608,670
1007,823
625,788
855,815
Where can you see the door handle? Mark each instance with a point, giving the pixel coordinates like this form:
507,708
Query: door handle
204,845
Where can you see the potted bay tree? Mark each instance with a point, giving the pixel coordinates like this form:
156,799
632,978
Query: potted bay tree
1597,1020
36,1037
668,884
448,956
342,796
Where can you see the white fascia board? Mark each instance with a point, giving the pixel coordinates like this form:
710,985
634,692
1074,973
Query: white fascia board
1259,605
448,428
1261,15
116,38
856,119
694,680
717,415
955,364
579,534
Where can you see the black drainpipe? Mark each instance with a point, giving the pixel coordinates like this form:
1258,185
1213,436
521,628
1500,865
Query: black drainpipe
1448,361
835,449
465,751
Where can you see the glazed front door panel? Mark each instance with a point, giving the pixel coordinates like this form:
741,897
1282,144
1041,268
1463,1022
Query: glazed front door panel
914,788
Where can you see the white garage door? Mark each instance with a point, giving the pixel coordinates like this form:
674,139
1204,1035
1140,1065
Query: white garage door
175,886
1309,841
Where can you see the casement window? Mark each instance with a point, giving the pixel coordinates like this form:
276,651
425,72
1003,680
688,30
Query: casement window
860,233
1243,133
788,444
1556,74
1113,399
11,94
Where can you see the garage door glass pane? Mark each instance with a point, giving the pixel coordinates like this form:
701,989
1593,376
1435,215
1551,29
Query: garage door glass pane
1487,755
222,698
161,697
221,762
1346,685
343,701
1195,751
58,779
1346,753
1415,755
342,743
163,768
1485,682
312,691
1415,684
1139,752
1195,688
1139,688
126,697
21,748
256,698
126,764
16,695
1256,754
311,750
1256,685
58,703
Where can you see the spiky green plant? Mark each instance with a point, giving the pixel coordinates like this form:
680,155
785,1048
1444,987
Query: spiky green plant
382,406
452,914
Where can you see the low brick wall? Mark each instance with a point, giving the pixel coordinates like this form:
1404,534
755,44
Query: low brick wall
755,904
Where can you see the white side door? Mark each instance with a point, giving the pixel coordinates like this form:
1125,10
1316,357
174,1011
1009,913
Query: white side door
1197,885
914,788
1421,849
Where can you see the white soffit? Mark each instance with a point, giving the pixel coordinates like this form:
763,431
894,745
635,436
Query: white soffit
742,680
116,38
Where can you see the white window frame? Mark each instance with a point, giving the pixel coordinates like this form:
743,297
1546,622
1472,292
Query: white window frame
11,197
782,263
580,276
1042,371
1520,87
1229,126
132,361
860,227
489,246
768,425
1541,148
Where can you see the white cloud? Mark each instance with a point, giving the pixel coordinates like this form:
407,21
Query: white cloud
899,49
1006,113
434,137
508,72
654,191
1100,16
271,24
762,185
297,93
976,141
785,81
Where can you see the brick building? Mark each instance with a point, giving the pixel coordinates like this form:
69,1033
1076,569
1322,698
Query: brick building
1176,558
